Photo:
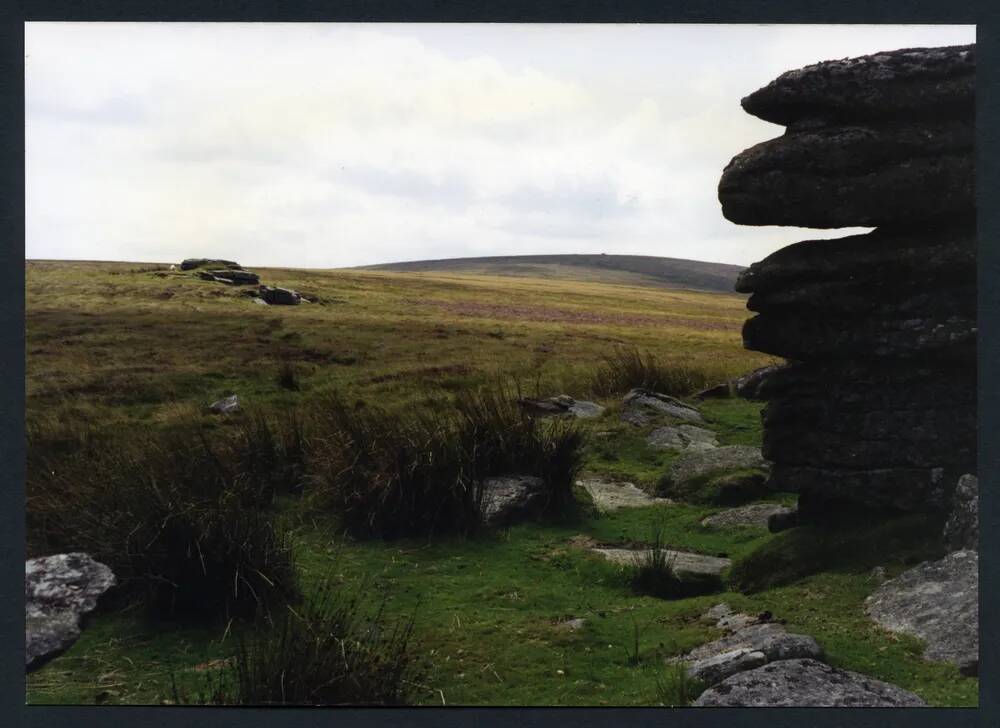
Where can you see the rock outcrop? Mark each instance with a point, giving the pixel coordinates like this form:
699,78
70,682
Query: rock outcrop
192,263
279,296
961,531
58,591
878,405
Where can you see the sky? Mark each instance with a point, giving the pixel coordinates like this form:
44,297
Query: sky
334,145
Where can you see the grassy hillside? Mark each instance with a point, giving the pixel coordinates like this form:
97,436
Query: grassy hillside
633,270
121,349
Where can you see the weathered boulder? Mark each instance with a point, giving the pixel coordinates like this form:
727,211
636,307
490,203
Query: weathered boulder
805,683
508,499
682,437
226,406
906,83
192,263
641,406
755,515
768,638
962,528
716,668
58,591
937,601
700,464
279,296
612,496
231,277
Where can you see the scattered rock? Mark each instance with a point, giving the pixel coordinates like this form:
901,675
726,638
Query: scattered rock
682,562
962,529
226,406
573,624
768,638
755,515
192,263
279,296
805,683
231,277
938,602
562,405
682,437
714,669
737,621
698,464
58,591
746,386
642,405
508,499
610,496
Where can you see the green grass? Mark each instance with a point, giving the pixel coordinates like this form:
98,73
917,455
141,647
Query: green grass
117,348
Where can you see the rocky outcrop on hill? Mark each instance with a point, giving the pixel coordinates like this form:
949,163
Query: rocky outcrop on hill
879,404
279,296
58,591
192,263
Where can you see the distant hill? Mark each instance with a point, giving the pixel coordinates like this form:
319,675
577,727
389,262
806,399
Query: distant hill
644,270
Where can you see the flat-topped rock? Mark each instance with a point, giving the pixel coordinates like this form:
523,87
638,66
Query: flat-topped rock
805,683
697,464
938,602
682,437
755,515
279,296
681,561
58,591
641,406
900,83
610,496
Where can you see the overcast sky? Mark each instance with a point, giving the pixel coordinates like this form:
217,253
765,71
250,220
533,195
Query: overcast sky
328,145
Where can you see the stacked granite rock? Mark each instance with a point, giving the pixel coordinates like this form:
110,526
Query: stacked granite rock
878,403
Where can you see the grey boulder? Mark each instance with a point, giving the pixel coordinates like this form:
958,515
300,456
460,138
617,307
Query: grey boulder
805,683
755,515
682,437
192,263
642,405
768,638
58,591
508,499
938,602
279,296
700,463
562,405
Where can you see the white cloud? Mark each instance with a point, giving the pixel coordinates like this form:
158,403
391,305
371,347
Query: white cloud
334,145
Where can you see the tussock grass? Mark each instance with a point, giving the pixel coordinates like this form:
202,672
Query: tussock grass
626,368
178,517
326,652
420,473
654,575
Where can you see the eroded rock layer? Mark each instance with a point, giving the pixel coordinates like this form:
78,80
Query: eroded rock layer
878,404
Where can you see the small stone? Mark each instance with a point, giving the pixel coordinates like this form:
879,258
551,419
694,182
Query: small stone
611,496
682,437
226,406
714,614
756,515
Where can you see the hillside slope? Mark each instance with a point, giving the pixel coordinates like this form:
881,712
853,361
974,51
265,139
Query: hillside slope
641,270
